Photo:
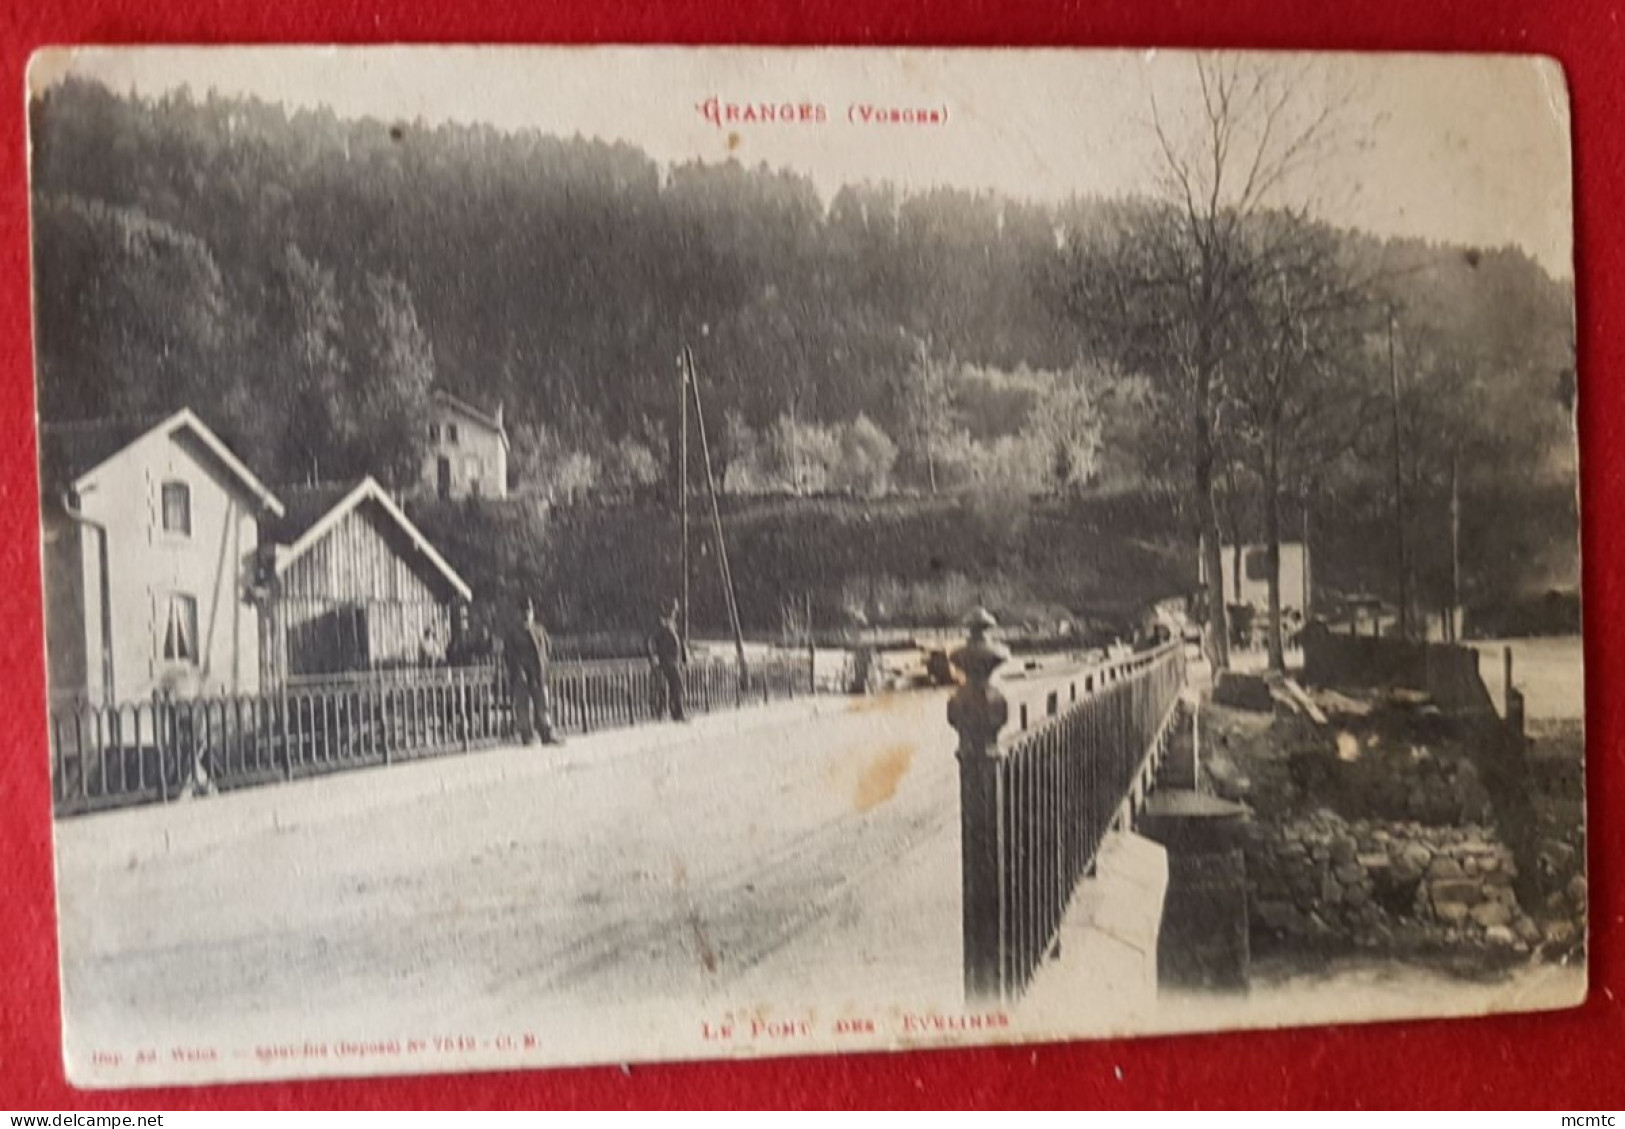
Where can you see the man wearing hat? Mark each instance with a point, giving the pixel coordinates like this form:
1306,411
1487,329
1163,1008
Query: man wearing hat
525,655
666,652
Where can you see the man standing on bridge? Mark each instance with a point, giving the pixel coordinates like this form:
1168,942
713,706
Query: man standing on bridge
525,655
666,650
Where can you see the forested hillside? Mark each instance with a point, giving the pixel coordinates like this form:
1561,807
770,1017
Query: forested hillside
304,281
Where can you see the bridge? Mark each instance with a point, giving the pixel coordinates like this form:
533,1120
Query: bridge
640,888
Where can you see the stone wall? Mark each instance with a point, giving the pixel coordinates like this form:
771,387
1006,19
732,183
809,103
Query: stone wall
1106,947
1430,781
1446,672
1400,827
1388,884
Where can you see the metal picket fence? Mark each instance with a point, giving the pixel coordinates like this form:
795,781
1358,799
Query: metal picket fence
160,749
1056,789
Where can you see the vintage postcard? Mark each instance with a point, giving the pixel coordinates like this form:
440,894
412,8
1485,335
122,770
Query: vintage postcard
609,554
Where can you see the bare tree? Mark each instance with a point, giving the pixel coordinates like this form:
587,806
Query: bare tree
1297,398
1163,286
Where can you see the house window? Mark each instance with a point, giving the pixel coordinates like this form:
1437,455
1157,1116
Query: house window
177,508
451,433
434,433
180,630
1258,564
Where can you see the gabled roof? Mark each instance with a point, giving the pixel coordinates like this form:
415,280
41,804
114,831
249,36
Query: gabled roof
72,452
469,411
303,506
313,512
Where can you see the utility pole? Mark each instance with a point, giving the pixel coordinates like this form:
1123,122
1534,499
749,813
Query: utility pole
1399,492
1308,583
812,650
683,380
716,514
1455,548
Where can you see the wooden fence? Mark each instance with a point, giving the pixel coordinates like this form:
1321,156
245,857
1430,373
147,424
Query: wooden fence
158,750
1046,798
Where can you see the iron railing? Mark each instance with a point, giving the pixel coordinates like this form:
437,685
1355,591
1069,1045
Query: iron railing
160,749
590,696
1056,790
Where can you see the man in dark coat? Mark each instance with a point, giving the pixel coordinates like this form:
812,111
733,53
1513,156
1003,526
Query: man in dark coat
525,656
666,649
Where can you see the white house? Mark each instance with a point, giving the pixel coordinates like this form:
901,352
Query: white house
1250,585
149,539
467,452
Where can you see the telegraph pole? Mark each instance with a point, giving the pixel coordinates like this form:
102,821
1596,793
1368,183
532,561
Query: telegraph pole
1455,547
683,379
812,650
1399,492
1308,583
724,570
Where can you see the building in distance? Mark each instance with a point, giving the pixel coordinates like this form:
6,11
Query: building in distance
467,452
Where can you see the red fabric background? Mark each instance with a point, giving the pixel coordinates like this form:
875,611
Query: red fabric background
1570,1060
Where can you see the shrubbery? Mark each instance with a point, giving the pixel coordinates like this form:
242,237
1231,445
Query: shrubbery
909,561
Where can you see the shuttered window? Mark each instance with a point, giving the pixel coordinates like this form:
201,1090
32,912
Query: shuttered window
180,630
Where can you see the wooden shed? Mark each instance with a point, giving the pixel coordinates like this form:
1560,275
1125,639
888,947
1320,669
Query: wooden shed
351,585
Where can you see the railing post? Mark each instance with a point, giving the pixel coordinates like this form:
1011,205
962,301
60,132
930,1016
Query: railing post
163,734
391,700
1513,697
284,728
977,711
462,703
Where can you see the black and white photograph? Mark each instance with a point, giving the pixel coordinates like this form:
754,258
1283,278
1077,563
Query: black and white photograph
617,554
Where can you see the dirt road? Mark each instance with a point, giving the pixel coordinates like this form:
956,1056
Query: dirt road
654,873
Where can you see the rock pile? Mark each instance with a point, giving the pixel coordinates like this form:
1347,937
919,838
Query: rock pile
1384,780
1563,890
1385,884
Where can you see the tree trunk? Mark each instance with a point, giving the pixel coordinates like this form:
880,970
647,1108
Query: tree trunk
1218,622
1233,516
1206,503
1272,538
